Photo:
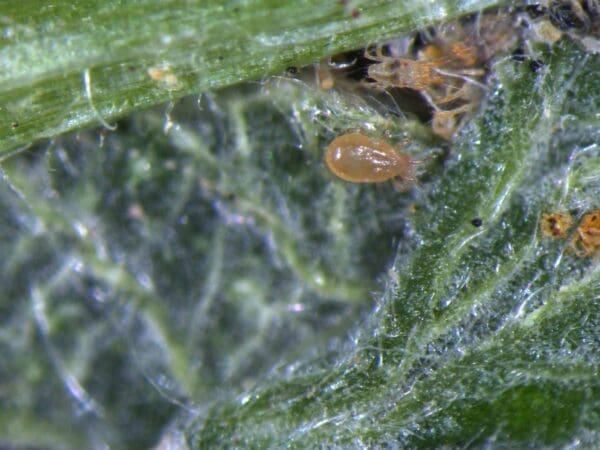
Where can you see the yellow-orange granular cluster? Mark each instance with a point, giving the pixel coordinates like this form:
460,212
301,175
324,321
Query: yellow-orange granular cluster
586,237
586,241
556,225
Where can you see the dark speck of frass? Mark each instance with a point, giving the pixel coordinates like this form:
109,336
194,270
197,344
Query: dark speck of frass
535,65
477,222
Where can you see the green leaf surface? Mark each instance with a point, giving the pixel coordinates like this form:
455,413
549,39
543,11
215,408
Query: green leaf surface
198,278
483,336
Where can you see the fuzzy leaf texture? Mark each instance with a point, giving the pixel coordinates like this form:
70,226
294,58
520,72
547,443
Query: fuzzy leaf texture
482,336
198,278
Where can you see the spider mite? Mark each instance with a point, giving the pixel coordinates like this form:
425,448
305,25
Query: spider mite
402,72
451,93
556,225
358,158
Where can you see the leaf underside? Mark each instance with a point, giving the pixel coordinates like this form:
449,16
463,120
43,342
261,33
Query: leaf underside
200,277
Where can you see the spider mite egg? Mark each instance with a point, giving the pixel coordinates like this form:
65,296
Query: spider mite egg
358,158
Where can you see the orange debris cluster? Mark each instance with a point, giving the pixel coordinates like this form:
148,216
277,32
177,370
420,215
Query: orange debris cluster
585,241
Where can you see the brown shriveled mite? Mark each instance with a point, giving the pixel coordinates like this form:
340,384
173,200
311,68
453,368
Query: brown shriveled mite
395,72
586,241
358,158
445,74
448,66
556,225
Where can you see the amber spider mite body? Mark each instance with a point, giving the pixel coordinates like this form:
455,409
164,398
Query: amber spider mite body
358,158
